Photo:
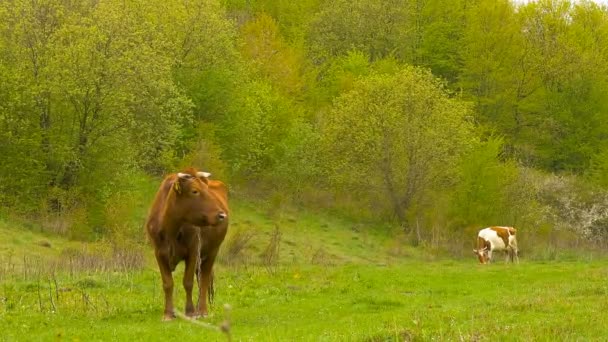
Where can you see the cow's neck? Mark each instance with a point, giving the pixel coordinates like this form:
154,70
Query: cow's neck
171,225
170,222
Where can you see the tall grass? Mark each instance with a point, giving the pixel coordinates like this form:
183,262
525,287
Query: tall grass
406,301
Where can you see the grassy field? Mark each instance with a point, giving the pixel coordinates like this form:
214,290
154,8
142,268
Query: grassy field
297,278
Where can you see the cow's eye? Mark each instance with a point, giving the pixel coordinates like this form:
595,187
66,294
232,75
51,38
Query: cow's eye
195,192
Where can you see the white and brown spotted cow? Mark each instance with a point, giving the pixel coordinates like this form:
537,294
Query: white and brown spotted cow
496,239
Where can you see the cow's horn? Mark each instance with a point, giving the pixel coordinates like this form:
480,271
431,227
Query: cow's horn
203,174
183,175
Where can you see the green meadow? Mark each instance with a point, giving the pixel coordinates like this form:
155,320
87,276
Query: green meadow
298,277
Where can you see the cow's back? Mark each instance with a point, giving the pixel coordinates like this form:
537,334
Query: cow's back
492,237
500,237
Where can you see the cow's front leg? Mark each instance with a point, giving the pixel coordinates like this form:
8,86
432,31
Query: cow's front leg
167,277
191,263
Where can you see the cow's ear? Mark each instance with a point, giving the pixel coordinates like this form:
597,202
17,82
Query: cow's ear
178,186
475,251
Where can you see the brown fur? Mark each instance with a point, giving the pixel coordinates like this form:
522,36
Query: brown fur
184,224
504,233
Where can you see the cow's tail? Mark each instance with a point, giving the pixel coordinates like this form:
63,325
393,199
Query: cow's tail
211,292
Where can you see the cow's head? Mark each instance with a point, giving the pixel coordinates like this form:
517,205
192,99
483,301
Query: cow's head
193,202
482,255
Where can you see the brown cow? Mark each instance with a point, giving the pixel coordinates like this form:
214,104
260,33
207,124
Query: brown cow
188,221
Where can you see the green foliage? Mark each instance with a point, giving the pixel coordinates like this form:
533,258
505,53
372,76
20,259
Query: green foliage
598,171
573,81
204,44
306,101
102,101
396,138
536,74
342,74
438,34
293,17
484,190
258,127
206,153
265,48
375,27
298,167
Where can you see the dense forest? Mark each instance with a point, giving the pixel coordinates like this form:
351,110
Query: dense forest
434,116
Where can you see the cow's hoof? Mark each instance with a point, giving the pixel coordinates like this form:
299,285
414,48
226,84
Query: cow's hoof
193,315
168,317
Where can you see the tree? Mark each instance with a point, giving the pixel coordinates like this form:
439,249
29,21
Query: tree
568,41
395,138
499,73
90,97
536,76
292,17
436,34
207,65
483,192
377,28
270,55
255,129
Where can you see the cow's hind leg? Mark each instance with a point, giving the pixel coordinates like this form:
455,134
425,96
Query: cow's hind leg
508,255
515,255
